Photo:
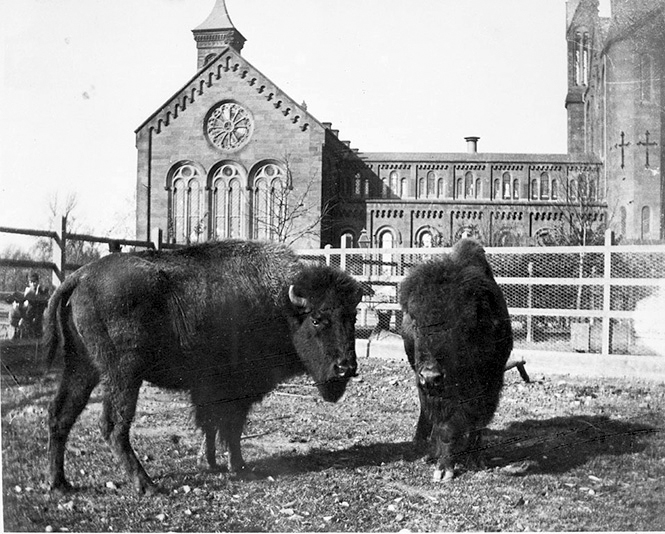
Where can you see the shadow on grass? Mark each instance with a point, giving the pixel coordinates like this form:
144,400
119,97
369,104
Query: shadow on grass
554,445
559,444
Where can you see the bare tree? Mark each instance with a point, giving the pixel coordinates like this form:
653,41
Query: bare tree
290,214
77,252
582,222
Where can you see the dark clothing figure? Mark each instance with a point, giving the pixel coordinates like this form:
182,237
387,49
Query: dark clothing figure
35,300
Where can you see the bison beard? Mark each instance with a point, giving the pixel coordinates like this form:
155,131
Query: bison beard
457,337
225,321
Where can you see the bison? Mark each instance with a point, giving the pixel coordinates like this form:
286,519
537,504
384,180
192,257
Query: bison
225,321
457,336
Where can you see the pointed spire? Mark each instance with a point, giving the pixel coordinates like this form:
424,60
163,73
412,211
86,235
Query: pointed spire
218,19
215,33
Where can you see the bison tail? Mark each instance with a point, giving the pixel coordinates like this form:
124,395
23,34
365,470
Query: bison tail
55,319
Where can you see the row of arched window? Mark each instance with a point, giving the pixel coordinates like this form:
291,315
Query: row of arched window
469,186
227,202
581,57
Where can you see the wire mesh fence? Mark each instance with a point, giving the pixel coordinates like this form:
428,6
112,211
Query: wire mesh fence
602,299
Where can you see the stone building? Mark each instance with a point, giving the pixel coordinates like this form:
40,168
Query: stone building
615,106
232,155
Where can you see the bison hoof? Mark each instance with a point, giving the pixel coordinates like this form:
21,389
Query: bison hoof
61,487
443,477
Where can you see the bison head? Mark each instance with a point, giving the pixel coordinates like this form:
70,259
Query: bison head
322,321
426,347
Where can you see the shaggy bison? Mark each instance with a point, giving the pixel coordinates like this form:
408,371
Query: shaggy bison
225,321
457,336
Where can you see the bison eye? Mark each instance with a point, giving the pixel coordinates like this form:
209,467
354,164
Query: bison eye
319,321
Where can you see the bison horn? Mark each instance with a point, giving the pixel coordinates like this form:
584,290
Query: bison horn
296,300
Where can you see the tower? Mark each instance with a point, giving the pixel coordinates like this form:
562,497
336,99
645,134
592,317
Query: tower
216,33
581,16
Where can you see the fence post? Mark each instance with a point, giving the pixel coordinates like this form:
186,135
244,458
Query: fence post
156,238
606,342
60,253
529,304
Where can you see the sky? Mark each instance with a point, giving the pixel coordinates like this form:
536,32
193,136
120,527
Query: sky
77,77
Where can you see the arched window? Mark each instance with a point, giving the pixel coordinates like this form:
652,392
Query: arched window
544,185
459,188
468,184
555,189
357,185
497,188
386,240
583,186
394,184
592,190
196,223
421,187
645,226
404,188
572,191
384,187
187,218
440,192
581,57
516,189
347,240
209,58
425,239
228,202
431,180
506,184
477,188
534,189
270,202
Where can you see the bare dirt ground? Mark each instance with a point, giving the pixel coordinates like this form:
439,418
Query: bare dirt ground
563,453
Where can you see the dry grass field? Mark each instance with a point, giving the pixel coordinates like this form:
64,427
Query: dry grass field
563,453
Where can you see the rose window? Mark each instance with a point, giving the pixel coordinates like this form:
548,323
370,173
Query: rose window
229,126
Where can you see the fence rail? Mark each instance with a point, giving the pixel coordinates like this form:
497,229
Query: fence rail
601,299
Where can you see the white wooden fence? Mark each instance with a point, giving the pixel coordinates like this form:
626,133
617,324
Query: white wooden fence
606,299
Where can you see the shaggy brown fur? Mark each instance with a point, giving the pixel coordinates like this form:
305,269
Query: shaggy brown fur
225,321
458,337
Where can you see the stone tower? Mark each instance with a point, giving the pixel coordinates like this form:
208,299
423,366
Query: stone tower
216,33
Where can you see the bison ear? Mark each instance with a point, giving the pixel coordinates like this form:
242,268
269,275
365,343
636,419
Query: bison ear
300,302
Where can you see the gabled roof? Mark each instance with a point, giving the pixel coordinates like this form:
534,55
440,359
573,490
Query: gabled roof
229,62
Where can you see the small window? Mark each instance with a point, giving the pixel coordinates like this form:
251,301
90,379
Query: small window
506,185
544,186
646,222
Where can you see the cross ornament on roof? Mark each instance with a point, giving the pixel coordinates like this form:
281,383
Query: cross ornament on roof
622,145
646,144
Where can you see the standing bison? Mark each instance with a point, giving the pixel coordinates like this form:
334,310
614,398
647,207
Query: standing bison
457,336
225,321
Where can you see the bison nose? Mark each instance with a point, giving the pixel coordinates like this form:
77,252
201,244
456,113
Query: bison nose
345,368
431,378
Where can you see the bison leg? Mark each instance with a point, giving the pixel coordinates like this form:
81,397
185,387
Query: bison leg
475,448
78,381
446,437
231,424
118,409
424,428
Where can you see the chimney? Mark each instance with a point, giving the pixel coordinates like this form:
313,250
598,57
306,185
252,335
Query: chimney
472,144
